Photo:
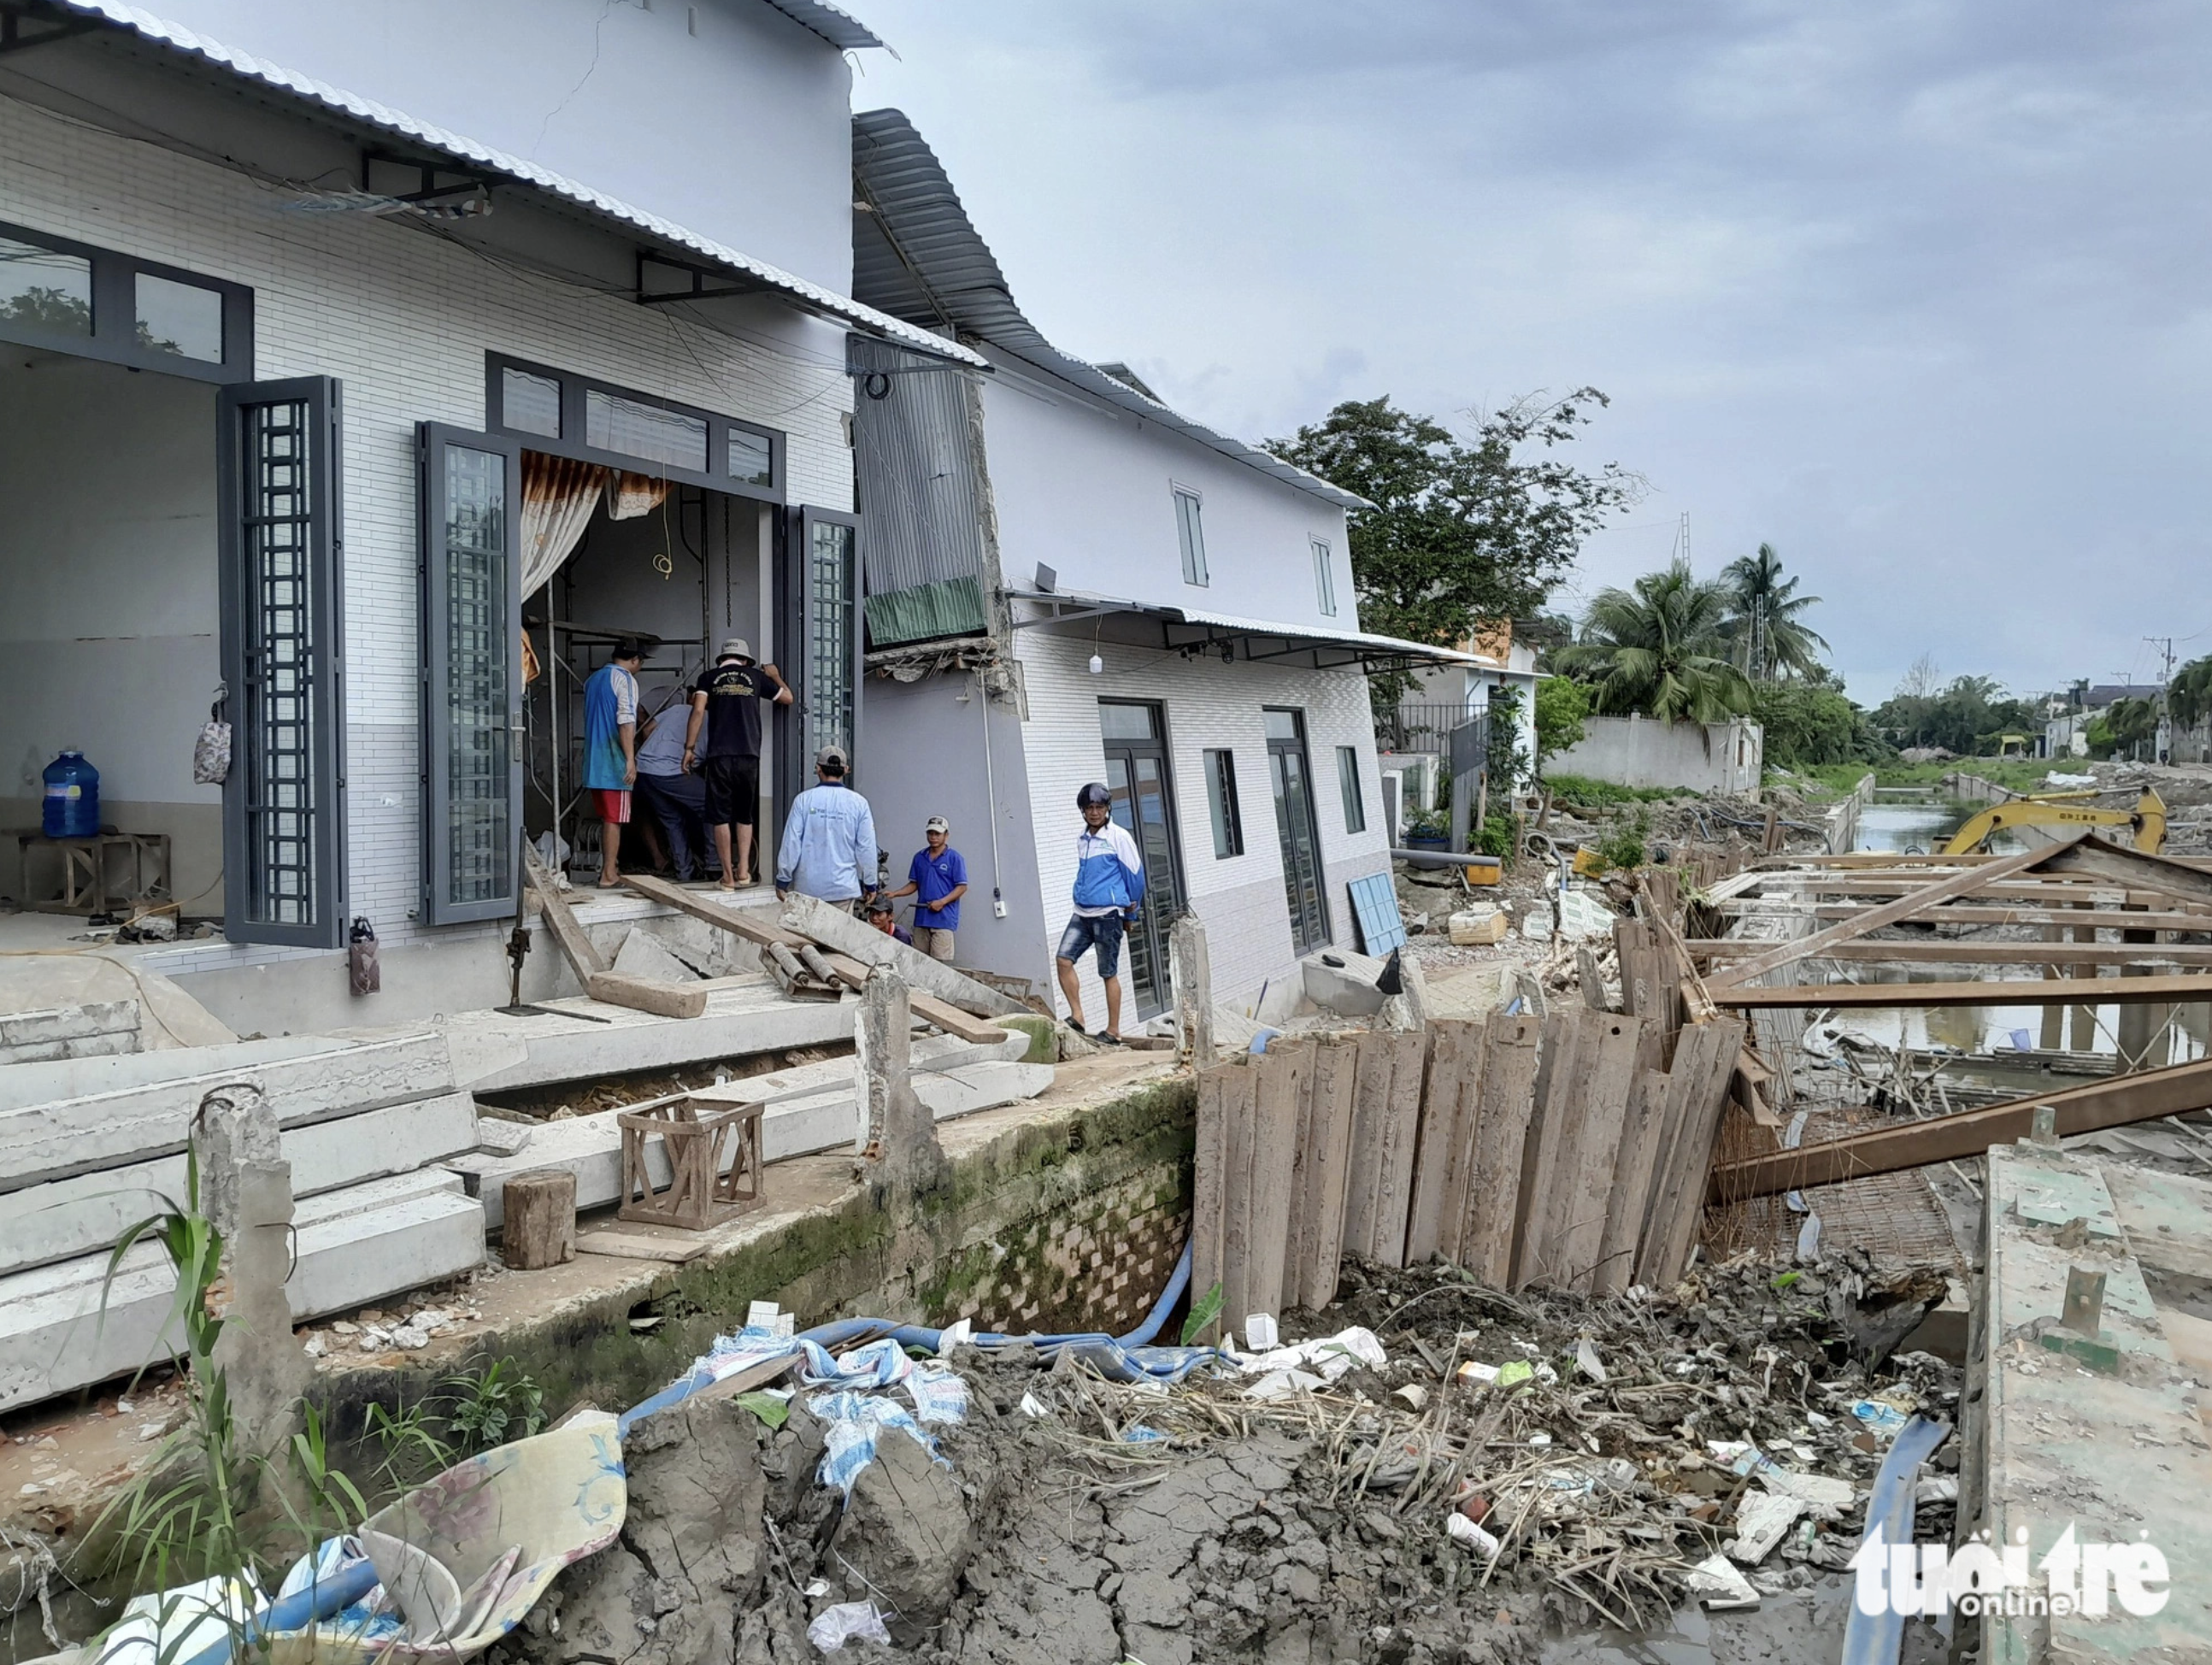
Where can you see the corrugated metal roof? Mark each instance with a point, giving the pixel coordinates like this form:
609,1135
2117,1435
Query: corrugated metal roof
482,157
834,24
916,254
1319,636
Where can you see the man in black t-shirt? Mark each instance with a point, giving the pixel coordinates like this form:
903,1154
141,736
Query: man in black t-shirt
726,710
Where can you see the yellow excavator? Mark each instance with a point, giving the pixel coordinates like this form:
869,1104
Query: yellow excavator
2064,808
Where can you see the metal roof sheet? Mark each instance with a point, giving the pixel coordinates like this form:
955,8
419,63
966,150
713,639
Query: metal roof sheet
833,23
916,254
1088,602
176,38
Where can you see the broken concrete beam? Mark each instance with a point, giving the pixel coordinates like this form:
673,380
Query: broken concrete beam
354,1247
41,1224
51,1141
685,1000
644,956
834,929
494,1053
23,1085
816,1109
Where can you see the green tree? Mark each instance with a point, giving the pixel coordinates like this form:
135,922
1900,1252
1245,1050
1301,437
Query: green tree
1966,716
2189,696
1561,704
1806,723
1661,648
1461,531
1769,638
2121,727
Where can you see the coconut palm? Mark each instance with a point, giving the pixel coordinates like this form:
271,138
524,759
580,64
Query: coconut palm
1763,626
1661,648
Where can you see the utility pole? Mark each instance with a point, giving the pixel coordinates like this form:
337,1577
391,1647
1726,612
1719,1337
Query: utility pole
2162,748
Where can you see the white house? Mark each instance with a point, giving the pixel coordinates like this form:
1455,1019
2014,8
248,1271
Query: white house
374,437
1109,592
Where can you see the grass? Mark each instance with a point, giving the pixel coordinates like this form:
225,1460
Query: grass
1583,793
2013,774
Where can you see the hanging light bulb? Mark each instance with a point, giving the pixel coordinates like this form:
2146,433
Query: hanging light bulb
1097,665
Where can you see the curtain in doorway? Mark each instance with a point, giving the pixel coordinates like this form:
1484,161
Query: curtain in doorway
558,496
629,495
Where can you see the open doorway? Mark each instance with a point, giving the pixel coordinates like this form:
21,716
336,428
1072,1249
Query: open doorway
110,616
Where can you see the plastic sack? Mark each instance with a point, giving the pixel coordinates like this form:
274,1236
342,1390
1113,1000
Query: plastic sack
211,754
364,972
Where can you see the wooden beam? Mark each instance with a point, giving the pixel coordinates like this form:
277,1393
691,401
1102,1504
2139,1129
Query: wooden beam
764,933
2115,1101
928,1007
568,937
1952,951
643,994
2101,858
1968,913
2030,892
1943,890
2183,988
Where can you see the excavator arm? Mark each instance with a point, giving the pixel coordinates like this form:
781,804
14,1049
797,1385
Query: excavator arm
2146,820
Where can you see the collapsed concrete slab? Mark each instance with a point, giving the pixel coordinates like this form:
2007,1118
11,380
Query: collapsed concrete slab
67,1326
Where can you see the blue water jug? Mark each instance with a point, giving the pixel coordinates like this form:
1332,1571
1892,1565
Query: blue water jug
72,801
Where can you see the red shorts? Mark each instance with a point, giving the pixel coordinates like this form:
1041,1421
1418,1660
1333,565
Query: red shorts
614,806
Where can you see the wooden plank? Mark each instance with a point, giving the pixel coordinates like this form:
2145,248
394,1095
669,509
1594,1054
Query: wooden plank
1507,1100
642,994
1670,1153
928,1007
1277,1094
2114,1102
1459,1158
1439,1125
1239,1110
1562,1076
1578,1235
1320,1205
1942,952
561,920
1371,1101
2036,892
1401,1131
2164,1215
1957,885
1631,1183
1707,1090
1209,1205
743,922
2000,991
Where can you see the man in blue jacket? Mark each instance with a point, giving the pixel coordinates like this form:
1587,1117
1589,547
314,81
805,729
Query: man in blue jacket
1109,890
829,838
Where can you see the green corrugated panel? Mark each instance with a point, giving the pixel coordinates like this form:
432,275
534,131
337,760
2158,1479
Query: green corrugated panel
950,607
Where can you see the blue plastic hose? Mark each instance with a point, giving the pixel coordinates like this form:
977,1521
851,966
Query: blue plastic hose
1874,1639
296,1613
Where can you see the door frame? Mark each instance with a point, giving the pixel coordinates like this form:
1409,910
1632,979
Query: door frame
431,439
1165,917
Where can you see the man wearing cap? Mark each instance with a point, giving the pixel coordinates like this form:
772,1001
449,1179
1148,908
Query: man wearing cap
884,920
610,750
829,838
725,711
939,878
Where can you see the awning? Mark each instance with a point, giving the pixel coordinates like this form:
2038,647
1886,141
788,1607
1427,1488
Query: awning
1197,633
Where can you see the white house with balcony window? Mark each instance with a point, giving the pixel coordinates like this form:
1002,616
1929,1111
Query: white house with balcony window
1146,602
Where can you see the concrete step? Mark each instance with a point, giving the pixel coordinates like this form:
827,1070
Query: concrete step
23,1084
355,1247
42,1225
816,1109
139,1121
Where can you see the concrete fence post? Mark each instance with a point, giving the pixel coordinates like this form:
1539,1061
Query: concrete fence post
1194,991
246,1191
898,1134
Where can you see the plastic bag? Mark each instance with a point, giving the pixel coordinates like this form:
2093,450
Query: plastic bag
211,754
364,974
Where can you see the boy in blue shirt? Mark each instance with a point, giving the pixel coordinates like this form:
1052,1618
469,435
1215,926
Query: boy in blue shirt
937,878
1109,890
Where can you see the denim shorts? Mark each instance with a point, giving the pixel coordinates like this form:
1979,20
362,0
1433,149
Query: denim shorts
1103,933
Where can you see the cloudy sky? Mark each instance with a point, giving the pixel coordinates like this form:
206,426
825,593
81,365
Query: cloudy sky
1913,290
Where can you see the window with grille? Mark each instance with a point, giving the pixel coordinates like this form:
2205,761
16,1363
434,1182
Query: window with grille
829,640
1221,801
1191,531
1347,781
1324,579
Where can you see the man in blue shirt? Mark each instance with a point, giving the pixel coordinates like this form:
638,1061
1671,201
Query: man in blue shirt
829,847
1109,890
937,878
610,750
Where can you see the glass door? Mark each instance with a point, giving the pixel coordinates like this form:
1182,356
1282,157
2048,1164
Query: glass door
1293,778
1143,806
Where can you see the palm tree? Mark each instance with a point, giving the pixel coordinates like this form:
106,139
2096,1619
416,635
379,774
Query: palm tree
1662,649
1763,624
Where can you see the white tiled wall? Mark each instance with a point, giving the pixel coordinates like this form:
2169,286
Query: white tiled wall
404,320
1209,705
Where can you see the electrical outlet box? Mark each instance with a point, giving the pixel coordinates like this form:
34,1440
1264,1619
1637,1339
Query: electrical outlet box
999,907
